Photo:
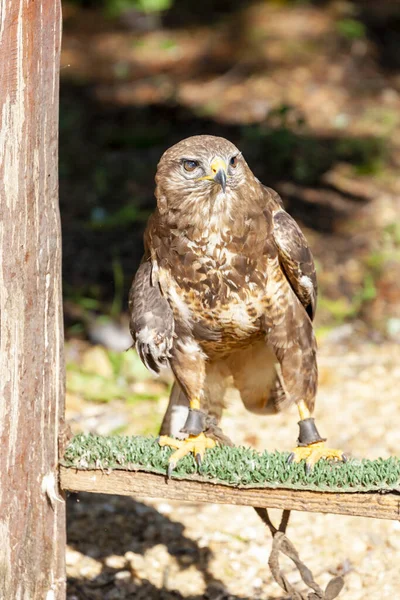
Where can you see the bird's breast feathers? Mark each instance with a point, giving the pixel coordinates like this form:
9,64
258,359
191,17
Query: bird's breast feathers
216,281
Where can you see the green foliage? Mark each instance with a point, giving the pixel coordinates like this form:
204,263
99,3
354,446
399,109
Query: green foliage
352,29
104,375
116,7
101,219
238,467
385,252
366,154
295,154
128,366
392,233
340,309
168,44
95,388
343,308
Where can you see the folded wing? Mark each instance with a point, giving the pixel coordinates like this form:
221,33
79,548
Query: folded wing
296,260
152,321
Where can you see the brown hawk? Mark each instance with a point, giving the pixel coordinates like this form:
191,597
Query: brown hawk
225,294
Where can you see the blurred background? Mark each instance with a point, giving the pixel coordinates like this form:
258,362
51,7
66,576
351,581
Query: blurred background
310,92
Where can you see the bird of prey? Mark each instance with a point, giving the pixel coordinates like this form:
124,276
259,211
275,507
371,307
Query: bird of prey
225,295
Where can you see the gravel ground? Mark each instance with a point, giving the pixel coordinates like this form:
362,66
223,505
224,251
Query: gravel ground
122,548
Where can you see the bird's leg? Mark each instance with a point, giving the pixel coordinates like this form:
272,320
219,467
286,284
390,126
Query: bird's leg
311,446
189,367
196,442
299,379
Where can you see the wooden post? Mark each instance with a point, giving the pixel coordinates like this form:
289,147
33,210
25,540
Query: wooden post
32,513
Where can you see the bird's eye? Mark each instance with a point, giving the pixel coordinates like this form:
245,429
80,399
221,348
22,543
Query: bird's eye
234,161
190,165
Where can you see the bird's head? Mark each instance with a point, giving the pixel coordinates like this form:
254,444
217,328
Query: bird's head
198,171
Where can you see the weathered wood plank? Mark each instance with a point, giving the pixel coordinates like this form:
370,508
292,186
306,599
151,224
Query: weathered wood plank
128,483
32,514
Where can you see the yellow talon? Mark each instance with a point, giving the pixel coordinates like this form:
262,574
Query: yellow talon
198,444
314,452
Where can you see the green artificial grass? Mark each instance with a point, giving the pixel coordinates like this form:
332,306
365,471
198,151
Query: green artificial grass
237,467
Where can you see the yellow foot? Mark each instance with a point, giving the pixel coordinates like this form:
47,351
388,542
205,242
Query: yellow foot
197,444
314,452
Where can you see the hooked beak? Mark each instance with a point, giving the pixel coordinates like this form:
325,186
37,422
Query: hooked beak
220,178
219,172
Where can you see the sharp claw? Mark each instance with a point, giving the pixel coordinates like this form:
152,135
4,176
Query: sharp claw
309,467
196,445
345,458
171,467
290,458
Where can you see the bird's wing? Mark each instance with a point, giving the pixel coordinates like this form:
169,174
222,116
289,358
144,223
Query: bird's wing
152,321
295,259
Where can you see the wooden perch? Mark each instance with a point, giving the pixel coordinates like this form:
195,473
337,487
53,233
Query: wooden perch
130,483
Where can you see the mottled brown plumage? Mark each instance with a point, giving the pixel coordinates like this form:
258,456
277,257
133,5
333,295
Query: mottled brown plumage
227,288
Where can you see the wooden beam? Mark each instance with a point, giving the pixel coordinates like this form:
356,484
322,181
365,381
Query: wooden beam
129,483
32,512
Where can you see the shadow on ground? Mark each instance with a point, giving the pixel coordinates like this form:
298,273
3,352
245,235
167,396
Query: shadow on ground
104,526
